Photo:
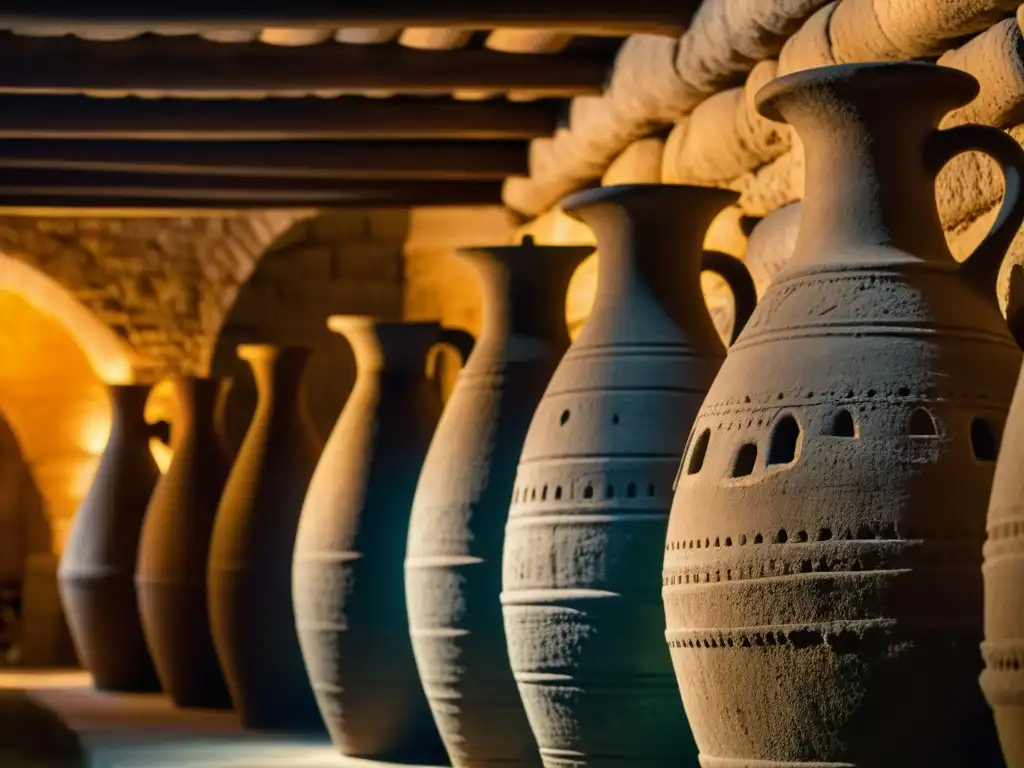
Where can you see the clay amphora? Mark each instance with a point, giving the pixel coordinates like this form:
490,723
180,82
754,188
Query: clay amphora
173,553
822,578
586,528
97,570
249,578
1003,571
453,562
347,579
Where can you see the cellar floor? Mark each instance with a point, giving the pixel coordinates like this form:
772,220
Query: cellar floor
54,719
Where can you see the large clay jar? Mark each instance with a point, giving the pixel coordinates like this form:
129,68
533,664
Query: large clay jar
249,577
453,561
586,529
1003,571
822,578
347,581
173,553
97,570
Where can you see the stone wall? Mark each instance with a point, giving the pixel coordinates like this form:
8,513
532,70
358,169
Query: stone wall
162,284
344,262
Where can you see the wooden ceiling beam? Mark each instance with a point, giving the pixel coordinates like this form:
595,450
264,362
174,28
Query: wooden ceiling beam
285,160
67,189
349,118
591,16
177,65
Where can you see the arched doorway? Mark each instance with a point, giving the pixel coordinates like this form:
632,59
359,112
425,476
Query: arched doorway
55,361
343,262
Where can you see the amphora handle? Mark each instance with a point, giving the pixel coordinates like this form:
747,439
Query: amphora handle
982,266
737,276
456,338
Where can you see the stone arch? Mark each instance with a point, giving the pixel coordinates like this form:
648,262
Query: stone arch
55,416
160,284
108,355
340,262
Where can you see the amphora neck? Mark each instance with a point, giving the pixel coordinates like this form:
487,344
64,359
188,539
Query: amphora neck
385,348
524,289
869,183
650,240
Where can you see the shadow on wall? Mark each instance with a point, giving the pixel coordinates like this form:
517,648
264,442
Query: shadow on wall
344,262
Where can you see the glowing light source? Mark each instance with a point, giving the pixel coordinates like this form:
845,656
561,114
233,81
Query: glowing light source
93,433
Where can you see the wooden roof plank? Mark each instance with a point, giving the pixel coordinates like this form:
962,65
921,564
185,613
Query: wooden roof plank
192,64
81,117
286,160
141,190
592,16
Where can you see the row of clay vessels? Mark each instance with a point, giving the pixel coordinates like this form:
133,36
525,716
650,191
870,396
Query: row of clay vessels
170,582
822,581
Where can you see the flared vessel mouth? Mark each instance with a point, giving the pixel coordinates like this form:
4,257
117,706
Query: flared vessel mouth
893,83
258,351
525,250
644,195
355,323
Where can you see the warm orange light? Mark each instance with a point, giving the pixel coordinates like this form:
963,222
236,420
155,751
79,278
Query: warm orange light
162,454
93,434
84,474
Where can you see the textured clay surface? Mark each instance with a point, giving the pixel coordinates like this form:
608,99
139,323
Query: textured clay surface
822,579
249,577
174,549
453,562
589,510
347,579
97,571
1003,650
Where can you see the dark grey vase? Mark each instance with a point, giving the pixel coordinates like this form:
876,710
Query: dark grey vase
453,560
250,563
97,570
173,553
586,528
347,581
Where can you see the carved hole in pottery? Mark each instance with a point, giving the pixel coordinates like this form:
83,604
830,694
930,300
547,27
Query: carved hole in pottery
746,458
758,539
743,539
558,492
781,537
588,492
564,418
544,493
922,424
609,492
983,441
631,490
728,541
784,442
533,495
700,450
650,490
615,419
843,424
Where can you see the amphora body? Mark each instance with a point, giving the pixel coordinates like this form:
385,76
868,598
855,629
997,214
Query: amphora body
586,528
347,582
453,561
97,570
822,579
249,568
173,553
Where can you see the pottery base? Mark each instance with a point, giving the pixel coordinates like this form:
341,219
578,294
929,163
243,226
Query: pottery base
729,762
